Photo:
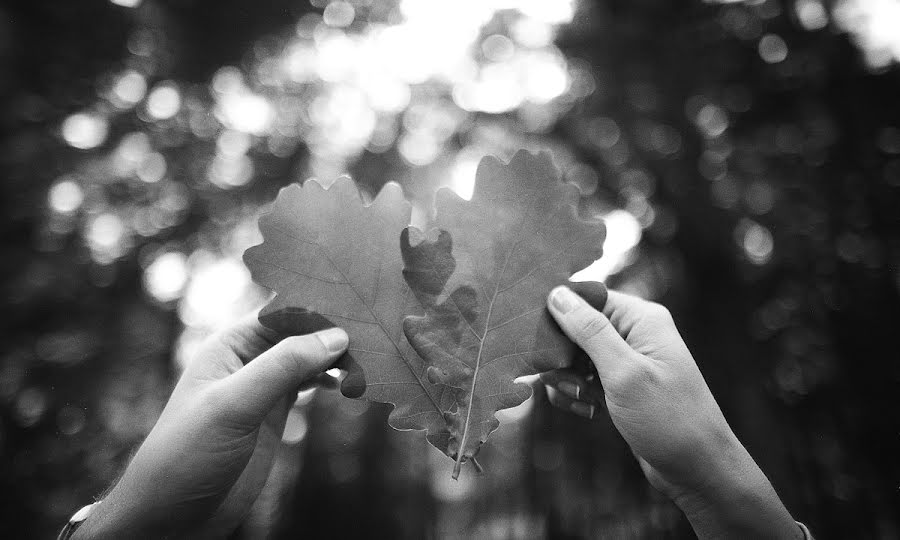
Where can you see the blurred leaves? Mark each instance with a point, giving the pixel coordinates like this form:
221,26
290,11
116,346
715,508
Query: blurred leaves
753,191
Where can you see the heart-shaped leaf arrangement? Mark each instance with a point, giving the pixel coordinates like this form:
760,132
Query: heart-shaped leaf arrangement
441,322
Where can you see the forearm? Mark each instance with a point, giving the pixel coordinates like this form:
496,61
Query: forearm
738,502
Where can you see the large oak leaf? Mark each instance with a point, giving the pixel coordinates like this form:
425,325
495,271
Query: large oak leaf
334,261
482,276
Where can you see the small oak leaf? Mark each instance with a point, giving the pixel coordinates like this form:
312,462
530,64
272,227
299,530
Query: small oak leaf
483,275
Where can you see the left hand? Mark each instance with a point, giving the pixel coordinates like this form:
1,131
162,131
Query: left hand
207,458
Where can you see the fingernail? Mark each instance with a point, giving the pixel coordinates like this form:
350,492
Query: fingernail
582,409
570,389
334,339
563,299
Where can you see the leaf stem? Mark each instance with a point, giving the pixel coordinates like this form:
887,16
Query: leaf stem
457,467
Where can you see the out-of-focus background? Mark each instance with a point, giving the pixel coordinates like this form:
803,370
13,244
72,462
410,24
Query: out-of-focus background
746,156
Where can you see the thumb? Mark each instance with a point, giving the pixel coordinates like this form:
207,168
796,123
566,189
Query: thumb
273,374
591,330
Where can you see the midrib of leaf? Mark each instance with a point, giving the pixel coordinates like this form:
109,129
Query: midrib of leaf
487,329
487,321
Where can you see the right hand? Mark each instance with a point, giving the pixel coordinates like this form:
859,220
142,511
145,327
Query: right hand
661,405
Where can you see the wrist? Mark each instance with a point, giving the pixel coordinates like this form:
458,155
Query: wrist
126,512
111,519
735,499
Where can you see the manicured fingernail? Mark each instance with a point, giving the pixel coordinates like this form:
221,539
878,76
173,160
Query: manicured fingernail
582,409
570,389
334,339
563,299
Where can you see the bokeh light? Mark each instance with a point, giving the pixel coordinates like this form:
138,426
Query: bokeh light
166,276
711,141
129,89
65,196
106,236
873,24
338,14
164,101
772,49
812,14
85,130
217,292
756,241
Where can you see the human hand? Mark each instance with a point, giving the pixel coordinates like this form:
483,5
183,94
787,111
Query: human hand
661,405
207,458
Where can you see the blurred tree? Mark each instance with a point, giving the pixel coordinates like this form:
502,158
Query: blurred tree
751,147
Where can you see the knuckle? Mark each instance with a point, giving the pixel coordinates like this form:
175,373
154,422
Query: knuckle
592,326
660,313
298,347
637,375
212,402
315,347
294,350
303,351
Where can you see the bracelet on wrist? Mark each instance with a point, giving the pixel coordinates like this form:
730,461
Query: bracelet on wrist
75,521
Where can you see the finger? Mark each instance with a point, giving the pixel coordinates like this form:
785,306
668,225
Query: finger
591,330
228,350
573,384
644,324
621,303
626,311
248,338
280,370
557,399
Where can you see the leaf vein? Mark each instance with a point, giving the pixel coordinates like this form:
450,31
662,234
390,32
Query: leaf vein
513,319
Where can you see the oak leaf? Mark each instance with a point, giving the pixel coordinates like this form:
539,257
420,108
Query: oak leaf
332,260
482,275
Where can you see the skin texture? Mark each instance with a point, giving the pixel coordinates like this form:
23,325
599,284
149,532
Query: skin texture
209,454
661,405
